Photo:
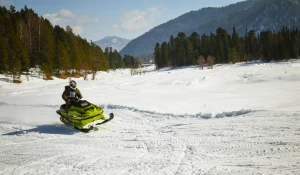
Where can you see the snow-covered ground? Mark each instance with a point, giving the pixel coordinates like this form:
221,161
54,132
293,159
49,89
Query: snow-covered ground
233,119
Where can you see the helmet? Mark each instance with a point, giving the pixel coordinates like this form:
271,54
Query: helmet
73,84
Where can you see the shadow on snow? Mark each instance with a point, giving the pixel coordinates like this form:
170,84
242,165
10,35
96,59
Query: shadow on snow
45,129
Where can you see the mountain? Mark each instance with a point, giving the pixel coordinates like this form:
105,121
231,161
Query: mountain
248,15
112,41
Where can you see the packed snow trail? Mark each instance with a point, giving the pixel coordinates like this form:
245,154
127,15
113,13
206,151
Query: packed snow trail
142,142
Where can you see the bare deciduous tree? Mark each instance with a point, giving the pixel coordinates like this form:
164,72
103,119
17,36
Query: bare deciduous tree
85,68
131,71
210,61
136,71
201,61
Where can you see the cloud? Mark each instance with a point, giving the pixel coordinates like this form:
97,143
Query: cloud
116,27
87,19
66,13
6,2
136,19
77,29
53,18
74,20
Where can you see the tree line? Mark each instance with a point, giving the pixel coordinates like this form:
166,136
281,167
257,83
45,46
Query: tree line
221,47
117,62
28,40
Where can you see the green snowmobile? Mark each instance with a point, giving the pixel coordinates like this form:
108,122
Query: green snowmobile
83,115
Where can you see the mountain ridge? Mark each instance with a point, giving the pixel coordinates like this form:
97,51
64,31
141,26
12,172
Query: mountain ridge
246,15
117,43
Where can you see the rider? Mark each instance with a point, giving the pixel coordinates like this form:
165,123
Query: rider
71,92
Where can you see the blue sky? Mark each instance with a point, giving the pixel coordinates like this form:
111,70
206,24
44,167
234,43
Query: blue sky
95,19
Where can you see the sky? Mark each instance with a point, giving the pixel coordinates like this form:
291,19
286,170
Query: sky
233,119
96,19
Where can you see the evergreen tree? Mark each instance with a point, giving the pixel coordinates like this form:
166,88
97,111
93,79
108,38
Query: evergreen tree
171,49
222,39
267,45
115,59
164,54
205,45
4,38
3,56
129,61
212,43
195,41
282,44
46,47
234,56
62,50
236,51
106,52
99,61
180,51
188,52
295,48
157,56
14,46
251,45
73,49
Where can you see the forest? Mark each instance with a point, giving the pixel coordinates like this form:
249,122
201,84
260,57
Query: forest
222,47
28,40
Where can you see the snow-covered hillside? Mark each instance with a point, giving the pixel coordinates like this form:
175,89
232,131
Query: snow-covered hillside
233,119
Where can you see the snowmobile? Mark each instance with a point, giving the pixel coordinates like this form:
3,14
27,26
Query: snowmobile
82,115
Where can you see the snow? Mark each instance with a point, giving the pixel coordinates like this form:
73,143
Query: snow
234,119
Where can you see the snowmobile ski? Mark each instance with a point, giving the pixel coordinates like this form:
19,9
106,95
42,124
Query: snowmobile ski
94,128
111,116
91,128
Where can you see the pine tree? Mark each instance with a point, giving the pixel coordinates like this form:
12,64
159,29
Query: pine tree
195,40
46,47
223,48
14,47
251,44
3,55
99,62
62,61
4,38
188,52
234,56
180,51
236,47
73,50
157,56
267,45
296,48
205,45
164,54
212,43
171,49
128,61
